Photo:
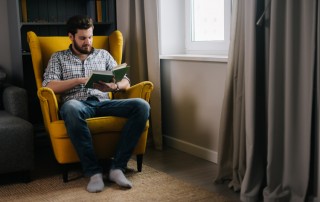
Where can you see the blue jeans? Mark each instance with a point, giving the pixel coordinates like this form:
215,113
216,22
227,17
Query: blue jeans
74,113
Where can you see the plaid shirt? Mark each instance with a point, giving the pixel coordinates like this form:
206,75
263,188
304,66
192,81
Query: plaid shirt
64,65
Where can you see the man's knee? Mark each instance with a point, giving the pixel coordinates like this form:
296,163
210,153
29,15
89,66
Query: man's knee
70,107
143,106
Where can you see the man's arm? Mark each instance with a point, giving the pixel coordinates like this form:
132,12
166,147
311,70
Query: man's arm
108,87
123,84
60,86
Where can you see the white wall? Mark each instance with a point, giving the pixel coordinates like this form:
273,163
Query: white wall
192,88
192,95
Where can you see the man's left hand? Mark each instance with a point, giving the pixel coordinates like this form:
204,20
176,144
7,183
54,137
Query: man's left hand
105,87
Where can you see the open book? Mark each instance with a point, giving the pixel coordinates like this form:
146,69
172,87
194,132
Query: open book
117,73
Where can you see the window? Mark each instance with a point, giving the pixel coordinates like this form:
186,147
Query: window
207,26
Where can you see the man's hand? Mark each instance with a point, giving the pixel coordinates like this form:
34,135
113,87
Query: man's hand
105,87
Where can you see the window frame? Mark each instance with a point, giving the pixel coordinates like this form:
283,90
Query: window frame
207,47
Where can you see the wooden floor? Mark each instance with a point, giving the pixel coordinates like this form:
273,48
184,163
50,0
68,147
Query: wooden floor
178,164
188,168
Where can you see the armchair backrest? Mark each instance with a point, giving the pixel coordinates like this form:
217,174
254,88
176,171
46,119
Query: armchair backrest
42,47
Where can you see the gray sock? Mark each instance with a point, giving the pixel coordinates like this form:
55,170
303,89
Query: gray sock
117,176
96,183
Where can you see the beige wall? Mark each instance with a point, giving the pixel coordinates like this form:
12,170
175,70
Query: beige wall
192,95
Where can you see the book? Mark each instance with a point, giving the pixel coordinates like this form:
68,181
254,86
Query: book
99,10
117,73
24,10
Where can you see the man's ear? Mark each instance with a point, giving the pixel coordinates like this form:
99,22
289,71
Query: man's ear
71,37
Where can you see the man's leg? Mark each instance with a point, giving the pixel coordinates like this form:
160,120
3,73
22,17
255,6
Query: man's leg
74,113
136,110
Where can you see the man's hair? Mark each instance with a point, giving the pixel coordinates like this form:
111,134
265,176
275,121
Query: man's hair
79,22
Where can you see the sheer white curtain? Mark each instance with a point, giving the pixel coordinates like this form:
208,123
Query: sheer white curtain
271,106
138,21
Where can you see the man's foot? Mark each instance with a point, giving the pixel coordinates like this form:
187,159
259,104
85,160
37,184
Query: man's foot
117,176
96,183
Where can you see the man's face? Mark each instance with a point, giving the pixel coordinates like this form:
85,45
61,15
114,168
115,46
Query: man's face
82,40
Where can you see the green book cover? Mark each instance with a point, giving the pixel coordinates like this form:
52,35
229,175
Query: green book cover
120,71
107,76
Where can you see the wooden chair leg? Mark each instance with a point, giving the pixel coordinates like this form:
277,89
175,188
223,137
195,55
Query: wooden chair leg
65,173
139,162
26,176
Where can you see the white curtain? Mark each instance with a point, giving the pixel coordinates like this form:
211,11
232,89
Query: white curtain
269,135
138,22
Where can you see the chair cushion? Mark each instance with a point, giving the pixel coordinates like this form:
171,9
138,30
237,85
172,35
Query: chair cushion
97,125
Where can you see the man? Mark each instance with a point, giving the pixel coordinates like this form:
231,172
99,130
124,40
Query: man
66,74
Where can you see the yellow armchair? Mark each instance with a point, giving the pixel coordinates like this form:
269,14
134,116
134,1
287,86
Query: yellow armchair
105,130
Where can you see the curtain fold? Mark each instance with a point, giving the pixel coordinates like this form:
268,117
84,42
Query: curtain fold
271,108
231,152
141,51
290,96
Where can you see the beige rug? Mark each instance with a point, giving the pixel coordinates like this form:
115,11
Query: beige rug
149,186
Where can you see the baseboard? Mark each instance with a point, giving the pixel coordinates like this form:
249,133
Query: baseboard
192,149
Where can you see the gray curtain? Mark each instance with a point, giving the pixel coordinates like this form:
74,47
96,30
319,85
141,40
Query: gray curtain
141,51
269,134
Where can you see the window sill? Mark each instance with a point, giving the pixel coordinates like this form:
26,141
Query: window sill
201,58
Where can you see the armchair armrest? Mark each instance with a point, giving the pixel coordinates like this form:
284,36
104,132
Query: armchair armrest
15,101
141,90
49,105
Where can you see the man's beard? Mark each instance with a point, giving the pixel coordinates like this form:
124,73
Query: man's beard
81,49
